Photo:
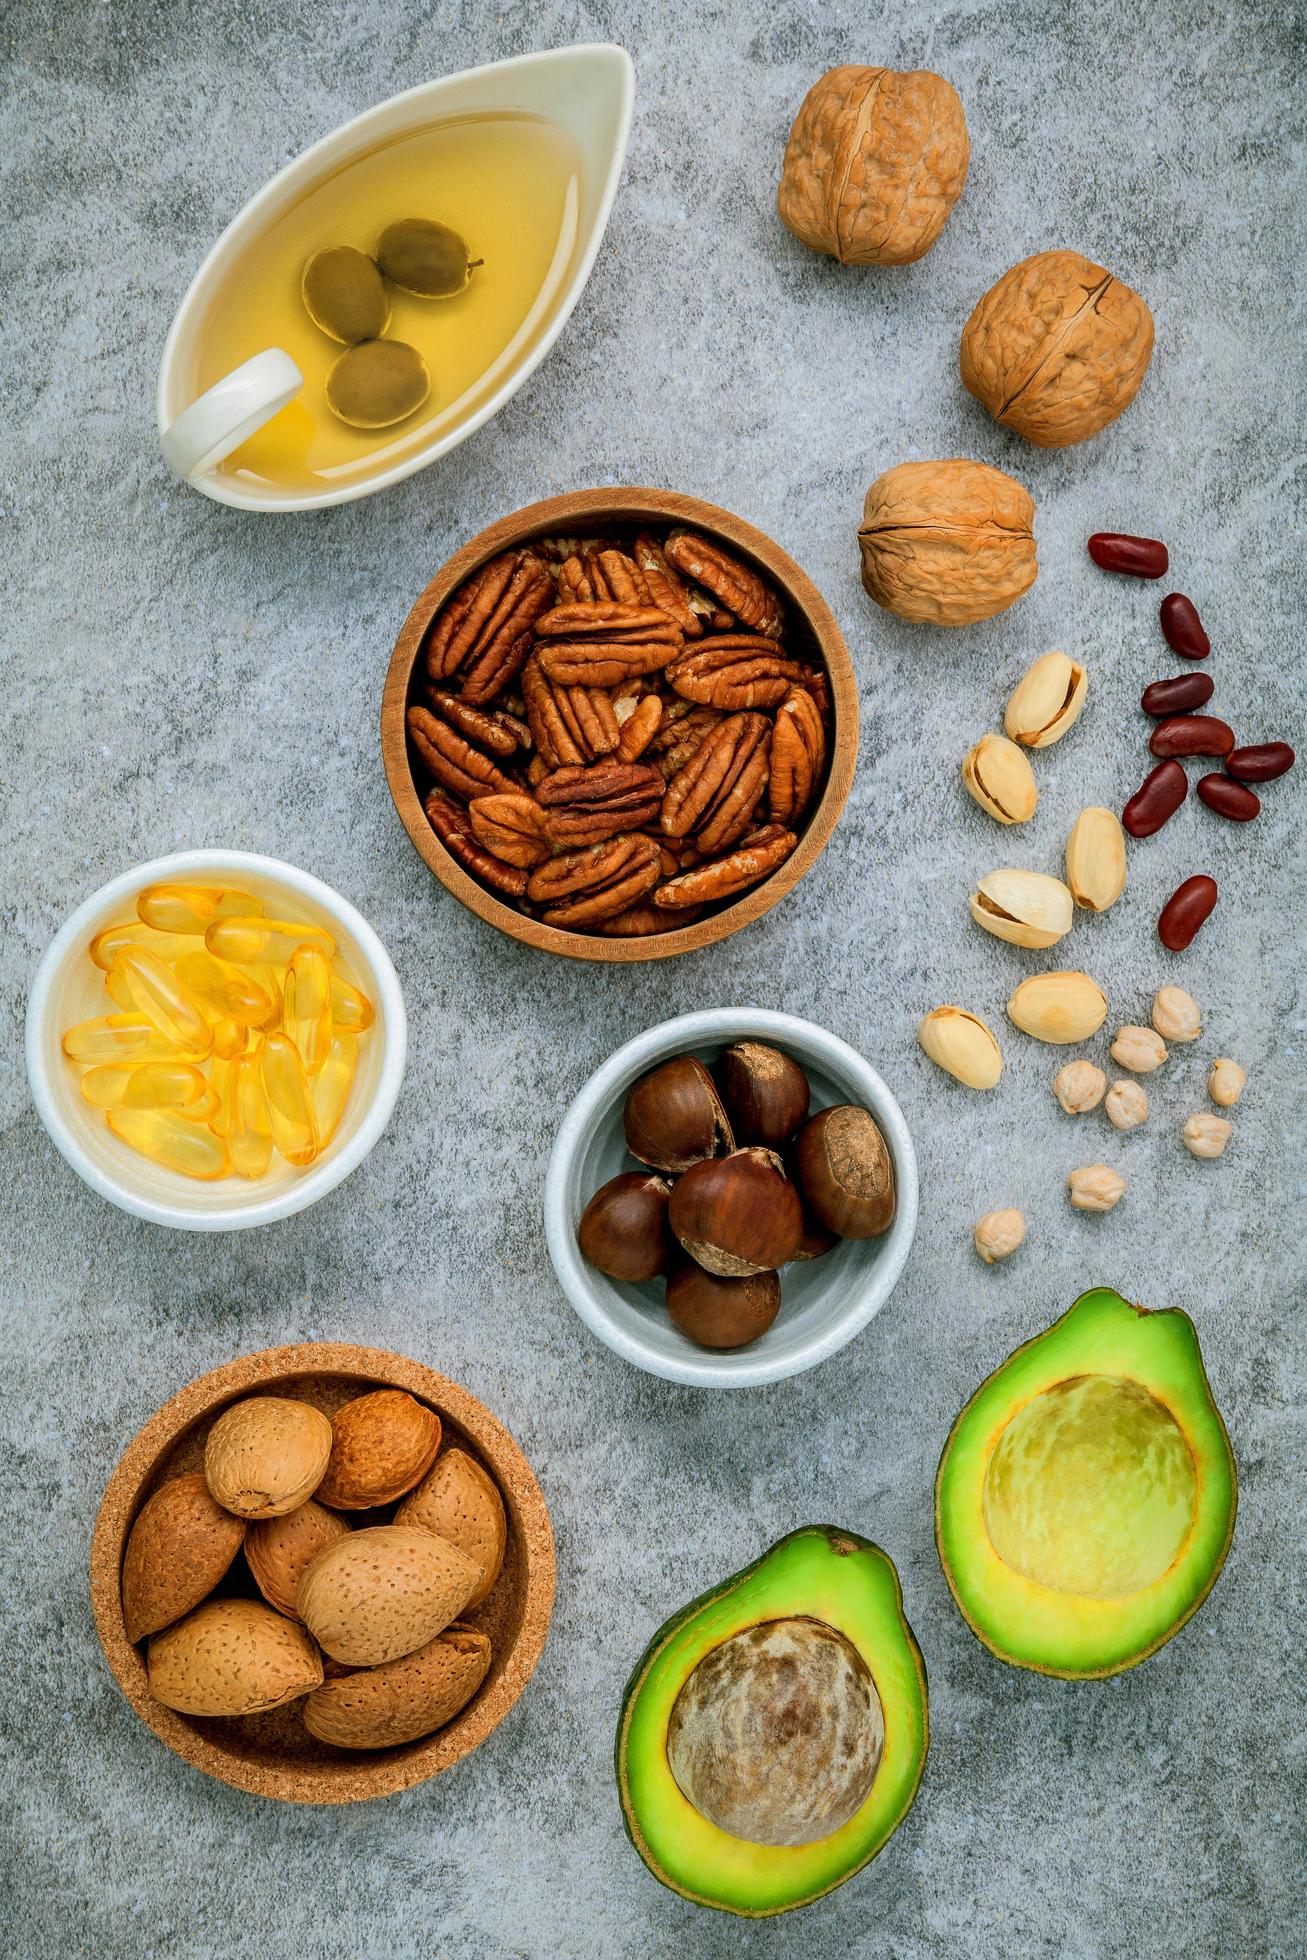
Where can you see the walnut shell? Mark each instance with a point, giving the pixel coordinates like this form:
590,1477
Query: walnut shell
875,162
948,542
1057,348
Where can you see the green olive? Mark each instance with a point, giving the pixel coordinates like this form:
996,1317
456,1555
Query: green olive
425,258
377,383
345,294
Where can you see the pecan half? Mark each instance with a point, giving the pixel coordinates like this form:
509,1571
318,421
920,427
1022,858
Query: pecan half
452,759
716,791
617,578
490,639
582,887
490,729
666,587
574,587
750,862
569,724
513,828
739,590
798,755
456,625
734,671
641,921
605,643
638,719
452,826
585,805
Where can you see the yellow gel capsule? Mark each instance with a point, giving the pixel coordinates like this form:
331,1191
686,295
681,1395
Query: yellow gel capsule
165,1137
294,1126
192,908
143,1085
249,1127
133,933
230,1039
264,942
306,1013
224,989
350,1007
162,998
332,1084
120,1038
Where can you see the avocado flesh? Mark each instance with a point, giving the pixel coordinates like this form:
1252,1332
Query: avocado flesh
819,1573
1086,1495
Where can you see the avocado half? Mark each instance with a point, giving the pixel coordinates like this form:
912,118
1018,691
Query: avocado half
833,1592
1086,1496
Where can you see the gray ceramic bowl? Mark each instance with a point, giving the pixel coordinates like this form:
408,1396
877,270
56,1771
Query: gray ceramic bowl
824,1302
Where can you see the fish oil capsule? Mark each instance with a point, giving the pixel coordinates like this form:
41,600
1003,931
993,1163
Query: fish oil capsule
350,1007
163,999
165,1137
230,1039
143,1085
306,1014
120,1038
333,1082
225,990
264,942
294,1126
249,1125
132,932
191,908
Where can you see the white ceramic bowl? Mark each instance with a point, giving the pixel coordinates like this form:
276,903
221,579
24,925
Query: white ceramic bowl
588,90
824,1302
69,988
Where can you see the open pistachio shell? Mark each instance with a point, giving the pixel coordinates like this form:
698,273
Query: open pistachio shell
345,295
998,775
1095,859
425,258
377,383
962,1045
1027,908
1046,700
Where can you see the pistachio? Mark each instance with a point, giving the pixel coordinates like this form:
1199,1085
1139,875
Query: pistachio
1058,1007
1206,1136
1096,1187
1126,1106
1175,1015
1225,1083
1080,1086
962,1045
1024,907
1046,701
1138,1049
998,774
999,1233
1095,859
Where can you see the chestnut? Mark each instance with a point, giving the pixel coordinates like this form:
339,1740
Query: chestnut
624,1229
844,1172
722,1313
765,1092
737,1215
674,1116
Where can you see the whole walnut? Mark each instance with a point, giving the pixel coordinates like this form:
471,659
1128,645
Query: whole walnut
1057,348
874,164
948,542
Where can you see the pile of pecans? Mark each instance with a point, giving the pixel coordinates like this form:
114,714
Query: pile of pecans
616,736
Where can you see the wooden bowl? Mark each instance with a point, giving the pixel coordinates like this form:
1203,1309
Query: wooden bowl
811,632
273,1754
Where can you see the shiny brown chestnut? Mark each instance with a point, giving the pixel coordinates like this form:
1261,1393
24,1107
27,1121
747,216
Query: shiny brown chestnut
737,1215
765,1092
674,1116
722,1313
624,1230
845,1173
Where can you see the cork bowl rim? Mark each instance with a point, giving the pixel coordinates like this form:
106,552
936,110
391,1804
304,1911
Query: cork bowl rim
566,515
342,1779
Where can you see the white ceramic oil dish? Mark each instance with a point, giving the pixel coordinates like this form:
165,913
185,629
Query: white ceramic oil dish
824,1302
69,988
587,90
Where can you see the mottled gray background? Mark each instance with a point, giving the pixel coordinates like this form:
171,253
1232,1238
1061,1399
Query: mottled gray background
179,674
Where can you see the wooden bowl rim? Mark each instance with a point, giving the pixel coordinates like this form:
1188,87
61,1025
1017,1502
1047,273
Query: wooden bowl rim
565,515
344,1781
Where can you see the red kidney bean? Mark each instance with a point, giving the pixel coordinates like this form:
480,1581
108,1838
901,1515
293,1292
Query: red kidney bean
1114,551
1182,629
1192,735
1228,798
1177,694
1158,797
1261,762
1189,906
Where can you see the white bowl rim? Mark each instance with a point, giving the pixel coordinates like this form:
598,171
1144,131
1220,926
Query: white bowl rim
342,137
742,1368
317,1181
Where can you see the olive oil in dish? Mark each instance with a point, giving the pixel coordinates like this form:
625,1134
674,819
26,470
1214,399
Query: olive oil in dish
506,184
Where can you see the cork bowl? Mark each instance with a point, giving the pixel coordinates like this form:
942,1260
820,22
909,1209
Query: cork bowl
272,1754
811,631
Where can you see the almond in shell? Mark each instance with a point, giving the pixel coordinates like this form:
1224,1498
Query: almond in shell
232,1657
460,1502
382,1443
279,1551
266,1455
383,1592
180,1547
378,1707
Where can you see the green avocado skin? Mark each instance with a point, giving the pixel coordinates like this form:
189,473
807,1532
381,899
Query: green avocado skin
819,1571
1053,1632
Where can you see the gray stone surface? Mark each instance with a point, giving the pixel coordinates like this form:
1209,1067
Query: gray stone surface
178,674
